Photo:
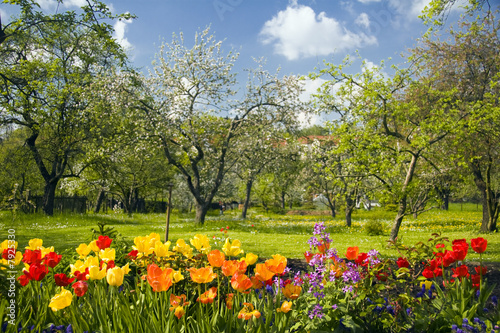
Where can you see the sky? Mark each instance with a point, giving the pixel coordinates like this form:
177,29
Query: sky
295,35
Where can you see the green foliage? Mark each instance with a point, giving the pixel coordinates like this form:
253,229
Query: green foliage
375,228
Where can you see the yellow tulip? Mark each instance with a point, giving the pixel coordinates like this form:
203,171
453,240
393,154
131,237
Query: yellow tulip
162,250
83,250
96,274
250,259
44,251
93,246
7,244
232,249
61,300
125,269
201,243
183,248
107,254
77,266
177,276
427,283
115,276
91,261
35,244
285,307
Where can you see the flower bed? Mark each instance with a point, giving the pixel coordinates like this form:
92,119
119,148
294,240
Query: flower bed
105,286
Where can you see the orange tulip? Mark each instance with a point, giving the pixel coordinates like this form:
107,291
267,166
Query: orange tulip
229,300
352,253
248,312
208,296
262,272
216,258
229,267
277,264
285,307
292,292
178,303
322,247
159,279
256,283
202,275
241,282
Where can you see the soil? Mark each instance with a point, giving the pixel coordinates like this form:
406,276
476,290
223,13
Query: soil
492,276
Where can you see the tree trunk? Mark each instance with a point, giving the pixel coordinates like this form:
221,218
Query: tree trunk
100,198
201,212
403,200
349,206
49,193
446,201
489,198
247,199
399,218
283,200
332,204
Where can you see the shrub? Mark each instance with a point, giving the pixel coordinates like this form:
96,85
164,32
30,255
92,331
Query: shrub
375,228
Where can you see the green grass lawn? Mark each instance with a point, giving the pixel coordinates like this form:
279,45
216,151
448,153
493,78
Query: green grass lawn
270,234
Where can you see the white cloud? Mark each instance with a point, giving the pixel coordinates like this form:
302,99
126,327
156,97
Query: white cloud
410,9
368,1
5,17
298,32
363,20
120,28
53,4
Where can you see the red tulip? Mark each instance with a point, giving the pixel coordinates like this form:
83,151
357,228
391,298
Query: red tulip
82,276
80,288
103,242
32,257
308,255
403,262
481,270
460,250
38,271
478,244
23,280
62,280
52,259
461,271
361,259
133,254
449,258
428,273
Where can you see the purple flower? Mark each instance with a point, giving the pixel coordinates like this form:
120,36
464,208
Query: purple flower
317,311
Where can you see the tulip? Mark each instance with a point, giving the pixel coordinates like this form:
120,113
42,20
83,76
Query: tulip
38,271
52,259
263,273
35,244
241,282
352,253
159,279
162,249
62,280
232,249
93,246
308,255
201,243
96,274
256,283
250,259
183,248
32,256
479,244
177,276
83,250
248,312
115,276
229,300
291,291
277,264
107,254
80,288
448,258
427,284
24,280
179,312
230,267
177,305
362,259
61,300
403,262
202,275
216,258
285,307
208,297
461,271
428,273
481,270
103,242
460,251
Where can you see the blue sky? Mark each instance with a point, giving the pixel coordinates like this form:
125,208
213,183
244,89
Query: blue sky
296,35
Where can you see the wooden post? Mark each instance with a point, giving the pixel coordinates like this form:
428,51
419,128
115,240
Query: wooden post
169,205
